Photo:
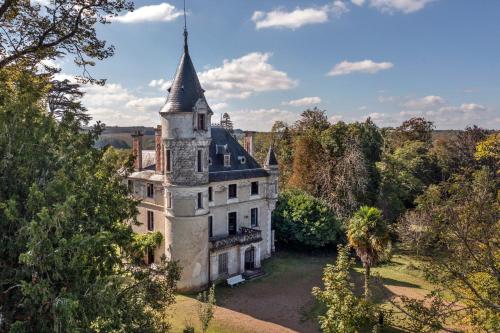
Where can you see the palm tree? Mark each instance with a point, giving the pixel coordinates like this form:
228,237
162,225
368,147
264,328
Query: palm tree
368,235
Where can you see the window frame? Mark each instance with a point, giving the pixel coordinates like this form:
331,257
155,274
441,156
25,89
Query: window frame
168,199
168,160
227,160
151,220
150,190
256,216
210,226
256,183
223,263
199,160
235,214
230,192
199,200
201,121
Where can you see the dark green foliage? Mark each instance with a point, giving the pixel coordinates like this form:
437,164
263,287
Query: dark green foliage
69,260
345,312
304,221
405,173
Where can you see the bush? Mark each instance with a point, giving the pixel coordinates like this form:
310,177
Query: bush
301,220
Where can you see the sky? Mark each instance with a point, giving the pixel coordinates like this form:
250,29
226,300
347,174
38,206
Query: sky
267,60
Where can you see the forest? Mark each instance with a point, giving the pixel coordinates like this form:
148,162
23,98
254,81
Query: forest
370,190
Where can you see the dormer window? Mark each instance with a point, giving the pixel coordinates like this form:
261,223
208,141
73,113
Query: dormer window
201,122
227,160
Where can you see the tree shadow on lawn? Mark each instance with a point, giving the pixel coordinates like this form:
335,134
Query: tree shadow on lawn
283,293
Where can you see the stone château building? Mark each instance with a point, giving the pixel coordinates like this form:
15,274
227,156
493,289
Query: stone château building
205,193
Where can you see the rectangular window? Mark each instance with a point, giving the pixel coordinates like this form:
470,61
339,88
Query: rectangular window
210,226
210,194
151,256
200,200
169,199
150,190
223,263
168,162
255,188
201,122
232,223
227,160
151,221
254,217
199,161
232,191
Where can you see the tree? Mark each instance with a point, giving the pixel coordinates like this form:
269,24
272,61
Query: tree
68,256
345,311
414,129
488,151
33,31
367,233
304,221
206,307
463,229
456,154
405,173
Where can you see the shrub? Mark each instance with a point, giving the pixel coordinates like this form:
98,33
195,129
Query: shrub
301,220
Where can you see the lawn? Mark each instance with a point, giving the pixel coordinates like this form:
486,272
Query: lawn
281,301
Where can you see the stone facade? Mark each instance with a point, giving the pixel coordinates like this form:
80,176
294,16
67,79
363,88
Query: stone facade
208,197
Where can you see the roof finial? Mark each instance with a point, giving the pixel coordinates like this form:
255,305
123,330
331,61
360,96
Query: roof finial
185,30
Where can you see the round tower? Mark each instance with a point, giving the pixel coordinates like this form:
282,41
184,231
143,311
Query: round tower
185,119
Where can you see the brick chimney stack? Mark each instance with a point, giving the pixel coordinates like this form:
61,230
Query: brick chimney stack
248,142
137,149
159,150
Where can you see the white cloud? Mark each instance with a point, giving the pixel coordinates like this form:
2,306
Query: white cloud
261,119
114,104
153,13
161,84
444,115
306,101
219,106
386,99
335,118
358,2
425,103
239,78
297,18
365,66
392,6
242,77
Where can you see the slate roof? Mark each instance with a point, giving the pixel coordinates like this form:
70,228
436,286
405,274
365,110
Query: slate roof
238,170
186,88
271,157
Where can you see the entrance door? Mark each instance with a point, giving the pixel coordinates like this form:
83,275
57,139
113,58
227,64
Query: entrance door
250,258
231,223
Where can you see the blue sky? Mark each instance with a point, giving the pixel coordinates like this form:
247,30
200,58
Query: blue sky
267,60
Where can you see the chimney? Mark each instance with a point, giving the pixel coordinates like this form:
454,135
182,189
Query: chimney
159,149
248,142
137,149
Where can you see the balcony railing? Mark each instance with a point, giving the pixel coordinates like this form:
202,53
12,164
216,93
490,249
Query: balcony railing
243,237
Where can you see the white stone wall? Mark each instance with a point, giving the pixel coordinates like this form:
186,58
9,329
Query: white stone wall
222,205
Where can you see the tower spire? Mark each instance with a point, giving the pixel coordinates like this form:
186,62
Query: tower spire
185,30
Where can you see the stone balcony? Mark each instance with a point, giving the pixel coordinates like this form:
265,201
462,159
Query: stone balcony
242,237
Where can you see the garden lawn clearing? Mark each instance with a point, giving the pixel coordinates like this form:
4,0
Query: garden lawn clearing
281,301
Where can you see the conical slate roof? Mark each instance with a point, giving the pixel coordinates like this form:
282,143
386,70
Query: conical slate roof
271,157
186,88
